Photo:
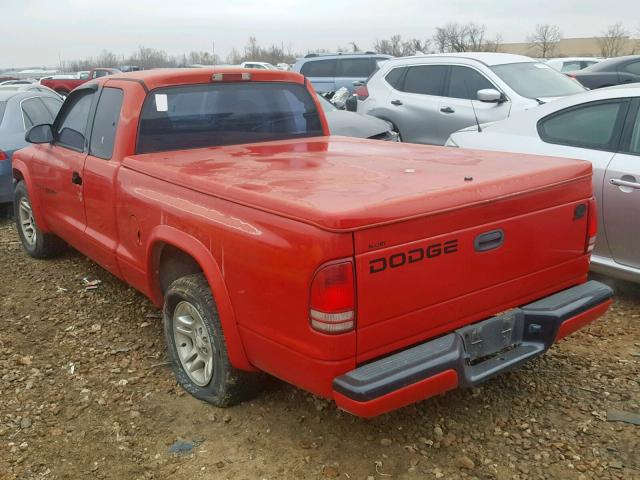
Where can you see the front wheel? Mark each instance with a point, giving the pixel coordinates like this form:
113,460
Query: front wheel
197,347
35,242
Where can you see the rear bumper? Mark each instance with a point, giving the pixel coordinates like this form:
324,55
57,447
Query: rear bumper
469,355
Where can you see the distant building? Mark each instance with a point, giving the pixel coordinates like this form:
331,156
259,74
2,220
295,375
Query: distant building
572,47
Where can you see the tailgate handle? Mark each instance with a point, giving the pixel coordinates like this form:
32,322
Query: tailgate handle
489,240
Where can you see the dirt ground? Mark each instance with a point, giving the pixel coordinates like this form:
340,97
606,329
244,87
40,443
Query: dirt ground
86,393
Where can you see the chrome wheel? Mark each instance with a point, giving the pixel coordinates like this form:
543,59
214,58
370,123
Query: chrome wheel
27,222
192,341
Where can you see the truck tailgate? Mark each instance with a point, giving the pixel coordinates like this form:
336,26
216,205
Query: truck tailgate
425,276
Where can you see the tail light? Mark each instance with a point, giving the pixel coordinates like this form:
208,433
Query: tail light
332,305
3,156
592,227
362,92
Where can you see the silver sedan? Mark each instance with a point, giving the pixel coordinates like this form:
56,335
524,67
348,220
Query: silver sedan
603,127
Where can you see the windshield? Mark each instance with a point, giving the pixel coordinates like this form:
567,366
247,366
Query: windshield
536,80
197,116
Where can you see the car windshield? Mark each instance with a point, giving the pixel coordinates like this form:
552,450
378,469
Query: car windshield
196,116
536,80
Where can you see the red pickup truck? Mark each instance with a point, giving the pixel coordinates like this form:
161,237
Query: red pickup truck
370,273
64,85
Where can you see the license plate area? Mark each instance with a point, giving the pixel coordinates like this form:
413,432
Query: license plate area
497,334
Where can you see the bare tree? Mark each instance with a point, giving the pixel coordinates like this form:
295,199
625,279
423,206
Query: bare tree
398,47
544,40
613,40
469,37
354,47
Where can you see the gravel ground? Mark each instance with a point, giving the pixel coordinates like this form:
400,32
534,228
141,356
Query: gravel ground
86,393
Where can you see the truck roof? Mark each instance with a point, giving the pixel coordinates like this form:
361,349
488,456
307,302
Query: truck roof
165,77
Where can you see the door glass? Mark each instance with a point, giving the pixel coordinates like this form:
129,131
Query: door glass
394,76
634,147
465,83
571,66
71,127
355,67
106,123
35,113
53,105
633,68
589,126
319,68
425,79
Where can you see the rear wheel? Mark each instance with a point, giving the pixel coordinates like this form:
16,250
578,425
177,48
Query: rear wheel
35,242
197,347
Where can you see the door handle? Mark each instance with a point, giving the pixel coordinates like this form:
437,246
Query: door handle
624,183
76,178
447,110
489,240
396,102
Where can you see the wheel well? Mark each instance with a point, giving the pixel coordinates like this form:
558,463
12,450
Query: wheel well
17,175
174,263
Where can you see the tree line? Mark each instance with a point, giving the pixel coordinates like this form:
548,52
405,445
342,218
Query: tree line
452,37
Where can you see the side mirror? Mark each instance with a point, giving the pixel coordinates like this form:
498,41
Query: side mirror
491,95
39,134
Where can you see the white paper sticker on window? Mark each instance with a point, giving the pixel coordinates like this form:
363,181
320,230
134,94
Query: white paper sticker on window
161,102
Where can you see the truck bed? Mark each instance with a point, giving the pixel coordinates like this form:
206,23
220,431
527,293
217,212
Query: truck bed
342,184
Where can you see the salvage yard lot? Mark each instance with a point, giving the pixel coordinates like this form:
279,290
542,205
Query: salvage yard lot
86,393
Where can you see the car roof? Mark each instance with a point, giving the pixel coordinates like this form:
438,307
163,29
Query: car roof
165,77
7,94
612,62
328,56
488,58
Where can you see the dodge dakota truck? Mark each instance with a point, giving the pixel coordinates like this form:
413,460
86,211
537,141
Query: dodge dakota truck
63,86
376,274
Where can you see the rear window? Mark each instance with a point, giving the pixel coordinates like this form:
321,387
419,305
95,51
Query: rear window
197,116
319,68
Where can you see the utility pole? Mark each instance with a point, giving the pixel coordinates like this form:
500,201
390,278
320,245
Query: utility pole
213,51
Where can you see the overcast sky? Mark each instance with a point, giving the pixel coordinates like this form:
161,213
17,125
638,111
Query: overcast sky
40,32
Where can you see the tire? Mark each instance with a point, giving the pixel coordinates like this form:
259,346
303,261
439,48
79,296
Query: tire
34,241
199,337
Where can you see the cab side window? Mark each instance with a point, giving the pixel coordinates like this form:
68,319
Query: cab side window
105,123
595,126
71,125
464,82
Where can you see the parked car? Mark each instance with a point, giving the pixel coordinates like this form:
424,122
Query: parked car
63,86
351,124
429,97
610,72
572,64
330,72
603,127
19,111
372,273
258,65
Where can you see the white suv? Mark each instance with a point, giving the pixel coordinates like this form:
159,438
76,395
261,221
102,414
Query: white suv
429,97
